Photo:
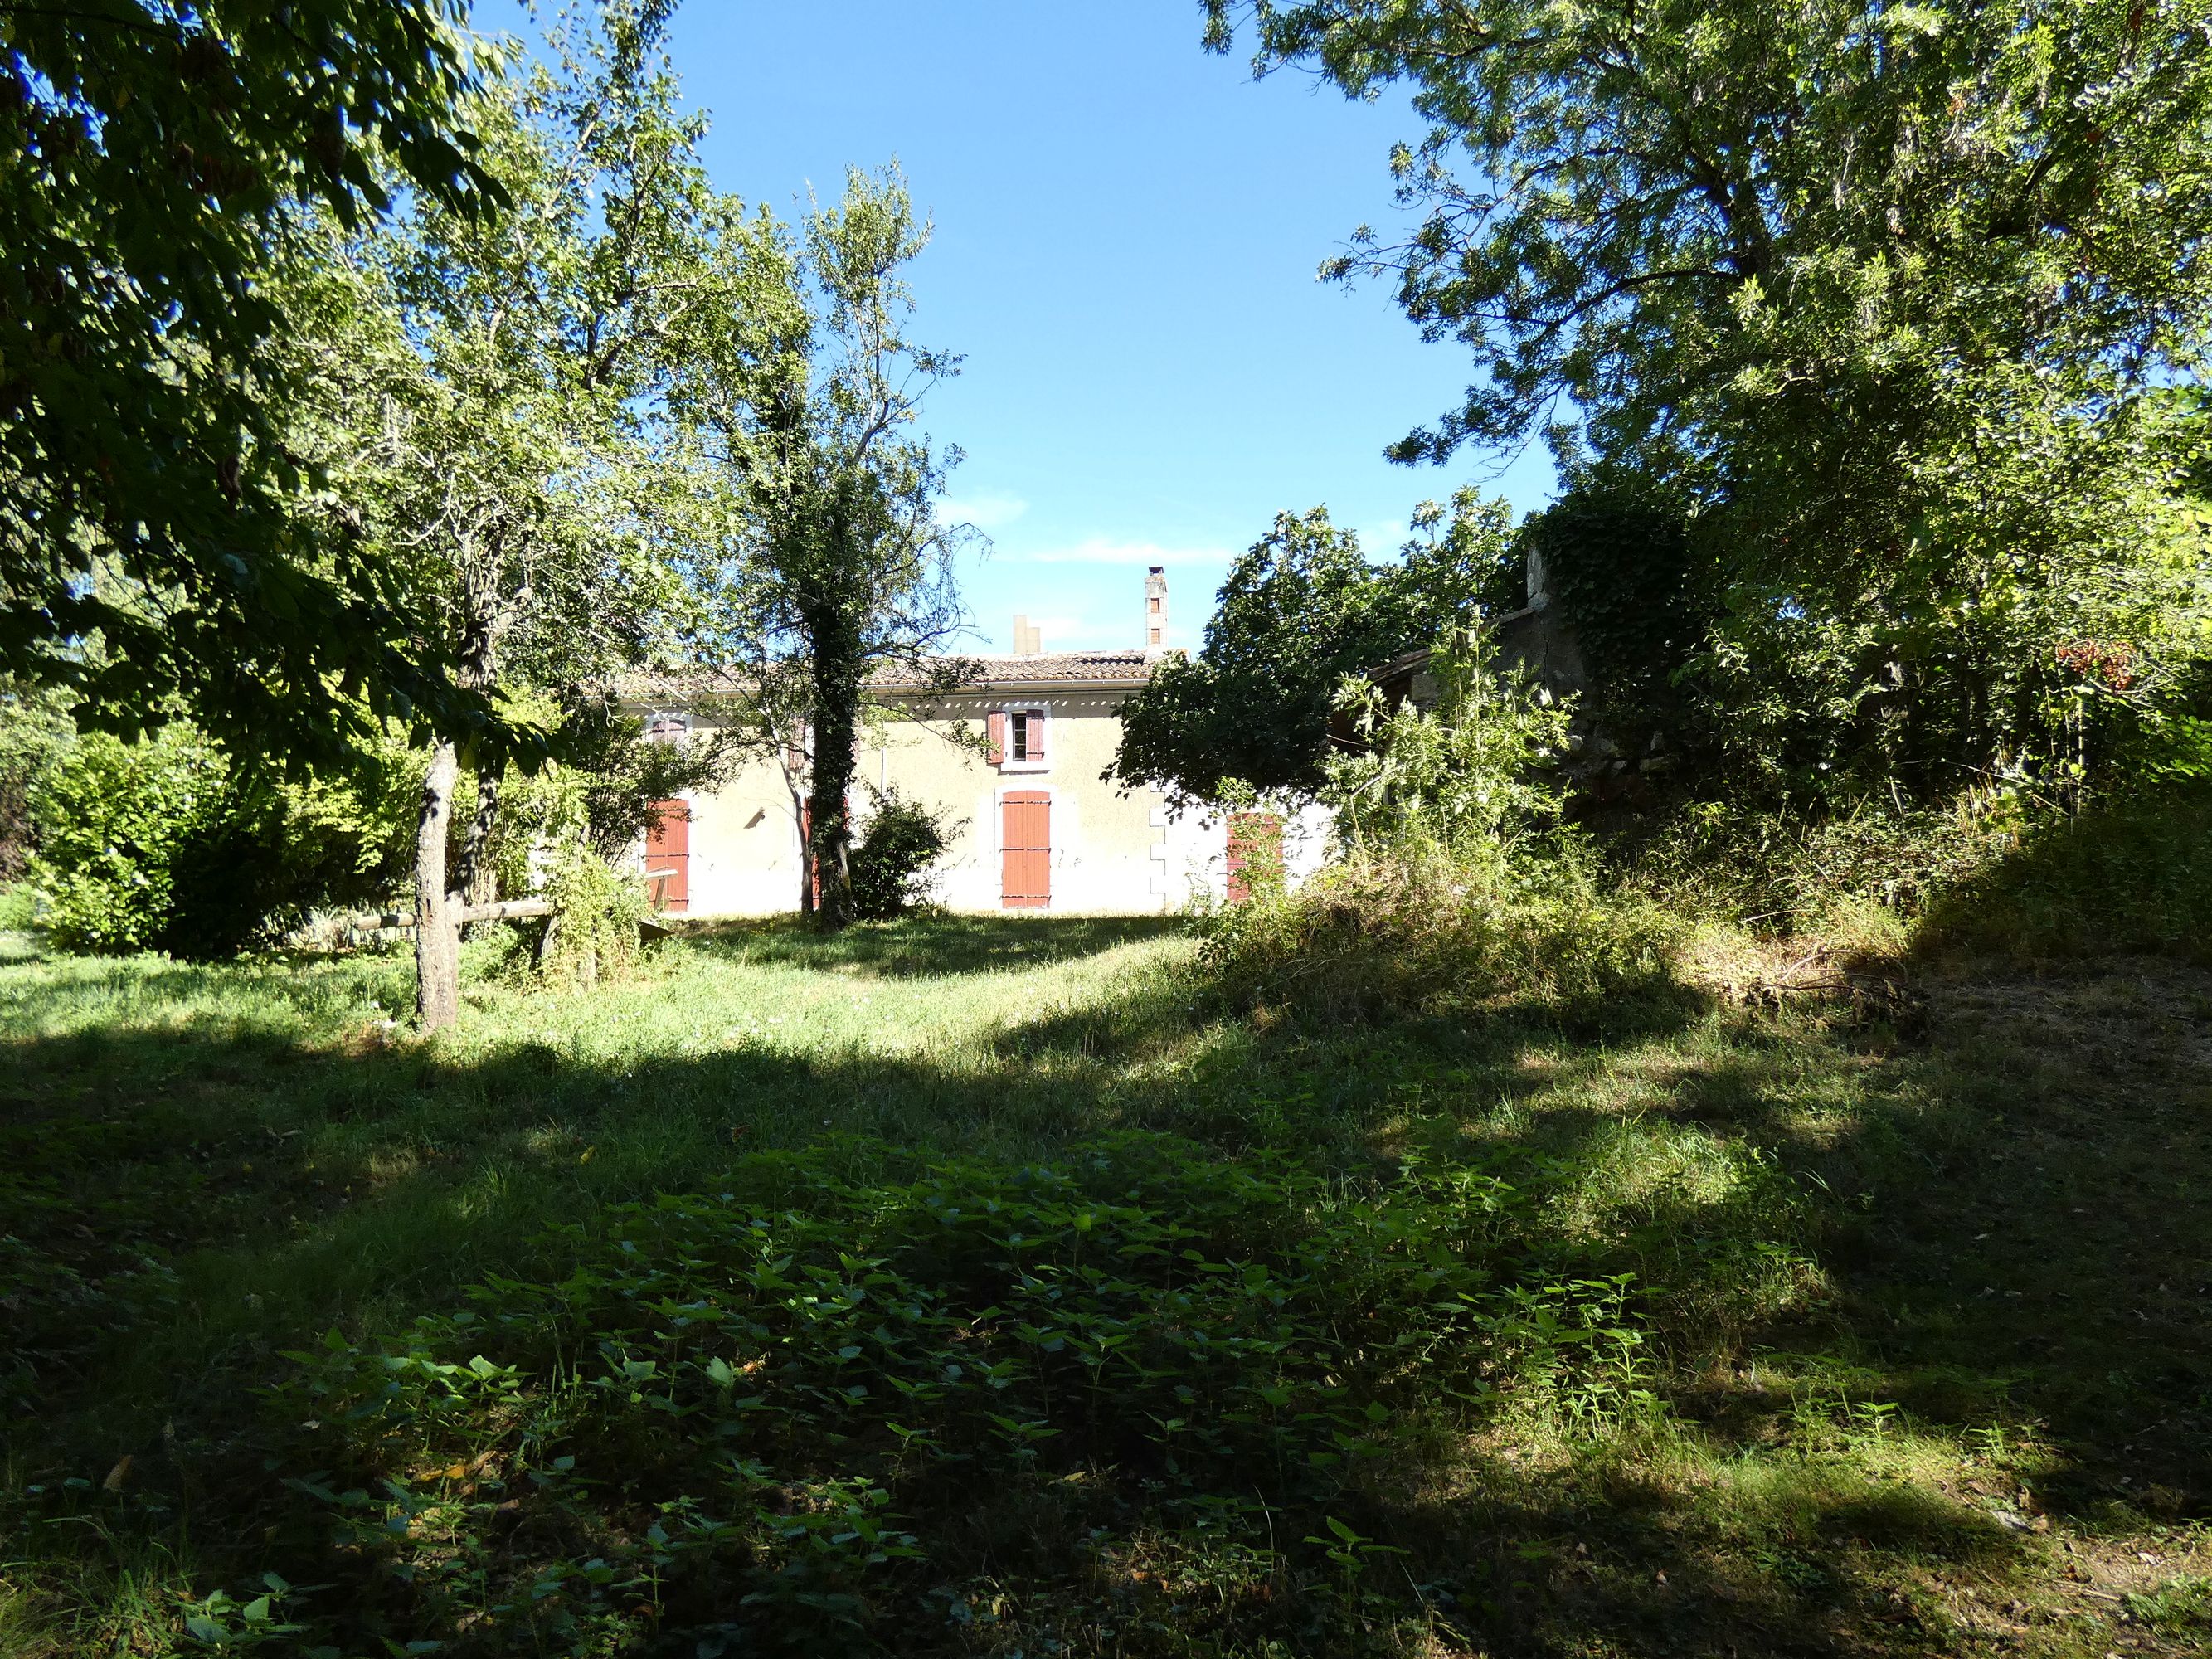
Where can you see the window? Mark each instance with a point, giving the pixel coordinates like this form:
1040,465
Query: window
1017,738
665,728
1154,602
1155,636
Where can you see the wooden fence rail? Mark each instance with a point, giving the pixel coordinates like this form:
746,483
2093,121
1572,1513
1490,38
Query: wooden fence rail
505,910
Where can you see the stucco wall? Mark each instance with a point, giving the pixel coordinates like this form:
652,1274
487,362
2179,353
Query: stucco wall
1111,852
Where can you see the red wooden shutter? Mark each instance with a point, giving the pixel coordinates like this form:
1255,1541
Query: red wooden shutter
1037,734
810,877
1025,850
668,849
1253,838
996,723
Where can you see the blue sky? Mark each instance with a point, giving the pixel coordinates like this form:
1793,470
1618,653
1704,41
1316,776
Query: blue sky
1127,231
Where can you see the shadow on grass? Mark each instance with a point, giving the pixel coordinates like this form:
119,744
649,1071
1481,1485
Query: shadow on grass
2135,876
296,1187
931,946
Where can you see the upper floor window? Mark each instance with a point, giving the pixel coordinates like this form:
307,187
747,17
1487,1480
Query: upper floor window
1017,738
665,728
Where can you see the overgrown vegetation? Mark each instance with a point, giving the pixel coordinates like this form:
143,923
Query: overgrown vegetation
1454,885
1888,312
168,844
1302,608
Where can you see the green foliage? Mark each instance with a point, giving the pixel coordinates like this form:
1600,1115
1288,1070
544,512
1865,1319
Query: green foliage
1894,300
168,844
894,867
799,1386
1781,873
810,396
603,789
2132,877
1473,774
1452,886
1302,608
2180,1607
1795,1402
1379,932
1619,565
592,933
157,162
34,731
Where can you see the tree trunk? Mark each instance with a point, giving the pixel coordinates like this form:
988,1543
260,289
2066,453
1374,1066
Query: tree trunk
836,723
438,898
476,881
437,937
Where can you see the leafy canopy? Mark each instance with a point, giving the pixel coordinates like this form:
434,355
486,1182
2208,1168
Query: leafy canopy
1888,297
810,401
1302,608
155,158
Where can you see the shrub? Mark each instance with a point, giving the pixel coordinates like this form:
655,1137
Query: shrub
1412,927
168,845
1784,872
893,870
592,933
1451,887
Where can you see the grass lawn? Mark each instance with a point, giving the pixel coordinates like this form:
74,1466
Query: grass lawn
971,1286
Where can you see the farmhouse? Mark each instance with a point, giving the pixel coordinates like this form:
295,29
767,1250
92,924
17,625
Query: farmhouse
1014,759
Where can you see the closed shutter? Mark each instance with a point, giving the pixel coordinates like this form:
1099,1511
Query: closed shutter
668,854
1025,850
1255,841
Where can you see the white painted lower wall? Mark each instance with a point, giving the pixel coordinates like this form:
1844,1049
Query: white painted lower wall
1111,852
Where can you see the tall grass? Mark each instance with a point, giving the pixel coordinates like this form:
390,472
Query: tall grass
1412,925
2127,877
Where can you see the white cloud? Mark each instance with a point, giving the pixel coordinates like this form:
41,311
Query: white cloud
1101,549
986,512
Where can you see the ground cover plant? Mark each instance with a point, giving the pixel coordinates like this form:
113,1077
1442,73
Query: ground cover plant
976,1286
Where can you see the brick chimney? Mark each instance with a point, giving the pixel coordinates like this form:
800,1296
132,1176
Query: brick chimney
1155,610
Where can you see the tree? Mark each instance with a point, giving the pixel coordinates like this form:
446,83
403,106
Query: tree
810,407
154,156
497,410
1301,609
1888,295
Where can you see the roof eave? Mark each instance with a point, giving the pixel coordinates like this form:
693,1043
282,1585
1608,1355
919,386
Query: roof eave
985,688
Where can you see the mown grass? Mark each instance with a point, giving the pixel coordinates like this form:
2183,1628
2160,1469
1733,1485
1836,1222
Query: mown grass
1913,1357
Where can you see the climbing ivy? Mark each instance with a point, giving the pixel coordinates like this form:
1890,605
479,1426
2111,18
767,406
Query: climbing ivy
1619,564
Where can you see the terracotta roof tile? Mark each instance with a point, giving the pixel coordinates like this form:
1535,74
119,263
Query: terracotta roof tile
1131,668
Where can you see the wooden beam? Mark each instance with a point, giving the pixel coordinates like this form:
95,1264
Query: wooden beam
505,910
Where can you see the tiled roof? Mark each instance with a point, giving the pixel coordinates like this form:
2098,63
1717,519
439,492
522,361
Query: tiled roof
1055,667
1131,668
